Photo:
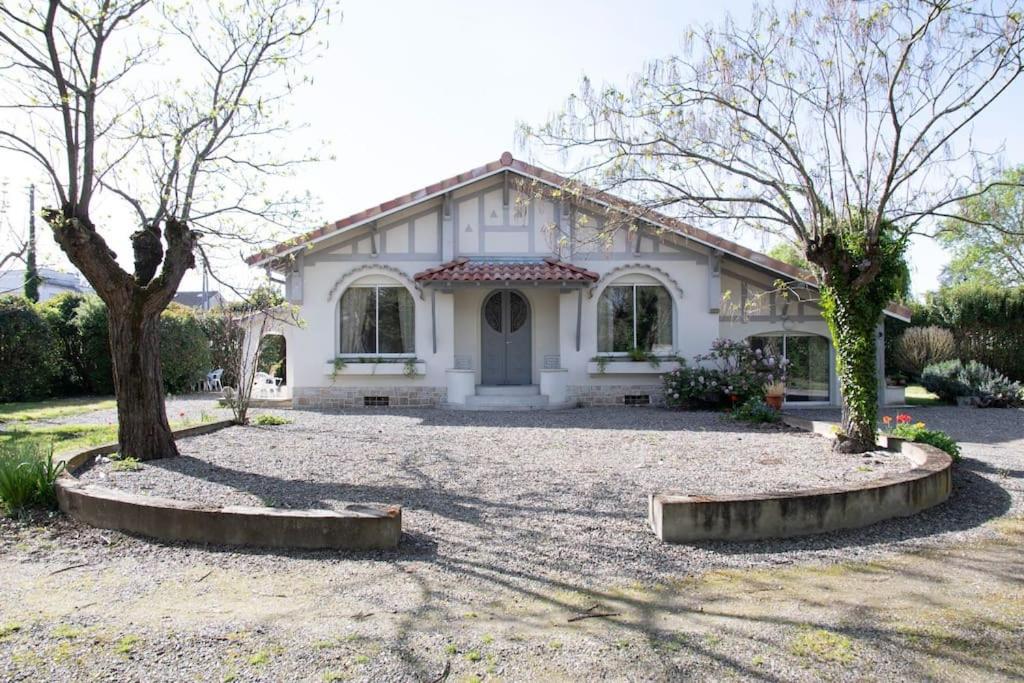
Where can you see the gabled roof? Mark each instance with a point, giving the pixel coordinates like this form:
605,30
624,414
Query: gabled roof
464,269
590,194
197,299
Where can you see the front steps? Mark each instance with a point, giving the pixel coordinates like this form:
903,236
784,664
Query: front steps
525,397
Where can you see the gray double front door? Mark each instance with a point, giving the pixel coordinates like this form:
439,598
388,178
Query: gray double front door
505,339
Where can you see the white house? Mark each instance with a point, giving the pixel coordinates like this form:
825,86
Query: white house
51,283
509,286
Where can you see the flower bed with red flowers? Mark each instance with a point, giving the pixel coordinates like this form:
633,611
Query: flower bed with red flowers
905,428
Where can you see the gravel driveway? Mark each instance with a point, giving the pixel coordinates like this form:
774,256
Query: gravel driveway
493,568
566,488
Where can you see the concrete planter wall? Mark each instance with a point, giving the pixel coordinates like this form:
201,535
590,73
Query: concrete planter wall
358,527
681,518
554,384
461,384
895,396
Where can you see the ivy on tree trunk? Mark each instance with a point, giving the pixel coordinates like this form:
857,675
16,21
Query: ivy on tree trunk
860,274
852,325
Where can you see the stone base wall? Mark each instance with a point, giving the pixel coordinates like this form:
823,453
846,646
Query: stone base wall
338,397
614,394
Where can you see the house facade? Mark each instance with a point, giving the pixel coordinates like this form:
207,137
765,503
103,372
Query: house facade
511,287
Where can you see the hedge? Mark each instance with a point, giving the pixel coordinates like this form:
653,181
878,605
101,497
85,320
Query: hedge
62,348
987,324
27,351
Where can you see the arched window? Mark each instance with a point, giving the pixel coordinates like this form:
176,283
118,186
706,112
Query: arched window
377,320
808,378
634,316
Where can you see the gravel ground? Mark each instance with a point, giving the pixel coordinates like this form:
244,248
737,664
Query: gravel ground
564,467
495,562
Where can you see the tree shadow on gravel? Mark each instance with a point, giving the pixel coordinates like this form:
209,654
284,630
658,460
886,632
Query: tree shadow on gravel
975,500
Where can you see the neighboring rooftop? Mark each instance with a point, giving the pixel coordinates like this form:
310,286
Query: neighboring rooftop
204,300
52,282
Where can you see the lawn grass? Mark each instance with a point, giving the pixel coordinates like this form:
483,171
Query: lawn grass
72,437
919,396
64,437
53,408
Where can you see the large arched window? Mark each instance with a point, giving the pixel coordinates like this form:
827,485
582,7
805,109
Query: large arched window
808,378
634,316
377,320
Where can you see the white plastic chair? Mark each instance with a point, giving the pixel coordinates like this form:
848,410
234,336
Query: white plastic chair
213,380
264,383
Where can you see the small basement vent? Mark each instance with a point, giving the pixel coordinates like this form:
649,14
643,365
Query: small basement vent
638,399
376,401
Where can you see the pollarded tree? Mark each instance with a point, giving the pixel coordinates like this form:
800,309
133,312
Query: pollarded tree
174,110
842,126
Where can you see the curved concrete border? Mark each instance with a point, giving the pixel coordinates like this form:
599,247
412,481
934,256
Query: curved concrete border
358,527
678,518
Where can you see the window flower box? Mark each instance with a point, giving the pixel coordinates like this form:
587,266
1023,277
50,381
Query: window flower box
613,366
368,367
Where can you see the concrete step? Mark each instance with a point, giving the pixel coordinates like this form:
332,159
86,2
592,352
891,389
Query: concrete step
500,402
512,390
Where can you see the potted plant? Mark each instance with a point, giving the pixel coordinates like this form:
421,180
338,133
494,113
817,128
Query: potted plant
773,393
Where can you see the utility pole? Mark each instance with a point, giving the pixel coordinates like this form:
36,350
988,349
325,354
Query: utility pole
206,284
31,273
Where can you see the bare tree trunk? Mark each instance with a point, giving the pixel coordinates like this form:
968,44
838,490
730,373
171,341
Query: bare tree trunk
143,431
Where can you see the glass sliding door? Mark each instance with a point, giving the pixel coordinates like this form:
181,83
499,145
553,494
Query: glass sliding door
808,378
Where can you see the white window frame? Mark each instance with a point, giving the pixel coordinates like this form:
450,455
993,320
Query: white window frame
623,354
376,320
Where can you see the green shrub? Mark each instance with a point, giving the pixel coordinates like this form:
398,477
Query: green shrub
272,356
919,433
731,371
755,411
60,312
125,464
270,420
943,379
919,347
954,379
27,356
184,349
987,323
94,335
225,339
27,474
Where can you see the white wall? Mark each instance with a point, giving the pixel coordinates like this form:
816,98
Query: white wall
316,343
414,239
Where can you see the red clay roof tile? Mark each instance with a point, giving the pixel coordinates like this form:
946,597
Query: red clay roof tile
466,270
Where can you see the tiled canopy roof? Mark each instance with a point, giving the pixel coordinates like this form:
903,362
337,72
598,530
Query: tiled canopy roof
466,270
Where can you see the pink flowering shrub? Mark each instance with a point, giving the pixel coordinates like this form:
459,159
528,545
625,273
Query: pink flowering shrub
730,373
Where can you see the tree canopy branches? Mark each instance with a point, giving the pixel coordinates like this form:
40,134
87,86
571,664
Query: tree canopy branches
801,121
169,109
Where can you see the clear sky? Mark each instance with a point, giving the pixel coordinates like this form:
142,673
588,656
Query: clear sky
412,92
